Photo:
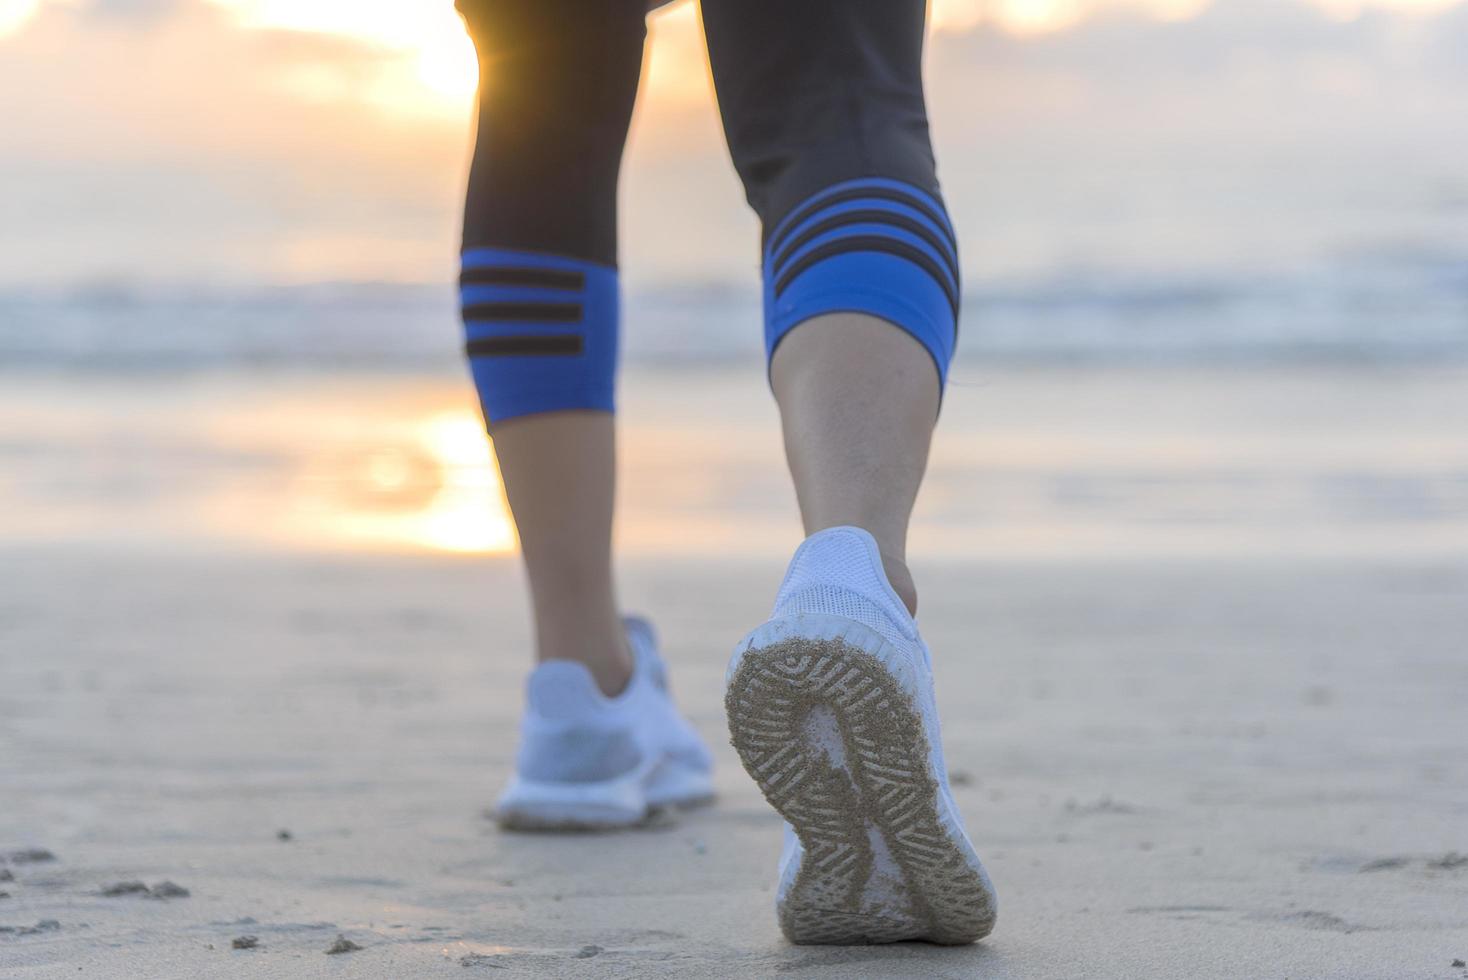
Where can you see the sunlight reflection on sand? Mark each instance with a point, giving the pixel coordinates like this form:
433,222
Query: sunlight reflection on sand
1040,465
440,491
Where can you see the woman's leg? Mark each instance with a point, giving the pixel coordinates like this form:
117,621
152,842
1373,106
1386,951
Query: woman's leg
857,401
558,470
831,701
823,106
540,296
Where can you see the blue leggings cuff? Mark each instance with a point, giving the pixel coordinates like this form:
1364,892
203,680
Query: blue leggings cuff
541,331
873,245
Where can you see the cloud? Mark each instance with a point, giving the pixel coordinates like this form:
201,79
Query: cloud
145,13
194,148
1121,45
188,147
1448,51
1271,69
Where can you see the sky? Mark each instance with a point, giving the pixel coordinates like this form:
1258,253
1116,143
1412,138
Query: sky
209,142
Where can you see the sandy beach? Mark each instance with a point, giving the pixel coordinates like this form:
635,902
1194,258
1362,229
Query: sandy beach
1199,638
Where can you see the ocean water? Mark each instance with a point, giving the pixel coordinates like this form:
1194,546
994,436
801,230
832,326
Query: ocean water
1387,305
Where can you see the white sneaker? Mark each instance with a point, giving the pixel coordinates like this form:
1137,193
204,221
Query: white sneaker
831,709
590,762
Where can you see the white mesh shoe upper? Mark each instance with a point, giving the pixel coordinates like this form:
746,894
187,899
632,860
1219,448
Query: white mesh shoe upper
571,732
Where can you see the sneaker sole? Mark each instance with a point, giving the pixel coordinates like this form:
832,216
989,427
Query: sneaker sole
615,804
783,672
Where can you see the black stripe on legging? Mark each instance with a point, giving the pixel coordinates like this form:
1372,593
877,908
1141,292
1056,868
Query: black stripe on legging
523,345
871,216
804,212
523,312
507,276
870,243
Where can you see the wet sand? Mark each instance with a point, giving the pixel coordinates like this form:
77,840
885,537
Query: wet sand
1199,638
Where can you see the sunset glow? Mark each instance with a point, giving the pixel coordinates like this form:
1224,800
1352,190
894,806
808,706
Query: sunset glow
444,70
292,142
430,36
1025,17
429,63
13,13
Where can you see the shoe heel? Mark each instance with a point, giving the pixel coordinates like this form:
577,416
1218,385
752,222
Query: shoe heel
868,773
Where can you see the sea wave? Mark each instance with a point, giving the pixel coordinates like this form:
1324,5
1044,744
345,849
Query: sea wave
1388,305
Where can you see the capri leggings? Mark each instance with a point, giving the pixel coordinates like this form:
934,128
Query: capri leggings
822,105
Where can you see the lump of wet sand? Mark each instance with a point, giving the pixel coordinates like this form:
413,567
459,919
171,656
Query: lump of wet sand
162,890
125,888
342,945
167,889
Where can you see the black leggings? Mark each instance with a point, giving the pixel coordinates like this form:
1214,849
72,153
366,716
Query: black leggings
822,104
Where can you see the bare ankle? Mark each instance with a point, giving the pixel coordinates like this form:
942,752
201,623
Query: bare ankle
901,581
603,651
613,673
